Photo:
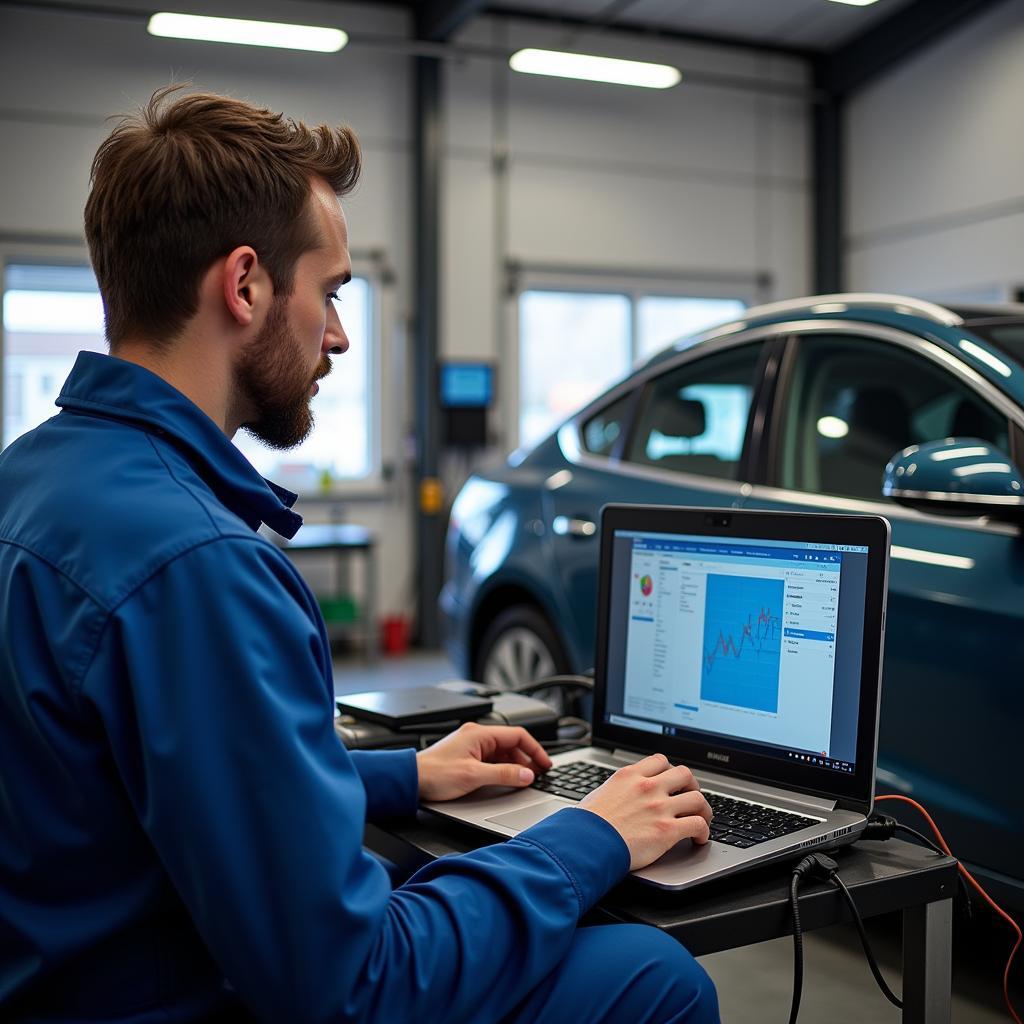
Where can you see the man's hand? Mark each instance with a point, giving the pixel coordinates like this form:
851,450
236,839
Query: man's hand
479,755
652,804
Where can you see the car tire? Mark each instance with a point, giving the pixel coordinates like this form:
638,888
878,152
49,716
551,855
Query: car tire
519,647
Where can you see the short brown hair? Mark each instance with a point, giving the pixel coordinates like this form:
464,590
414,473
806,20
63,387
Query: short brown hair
188,179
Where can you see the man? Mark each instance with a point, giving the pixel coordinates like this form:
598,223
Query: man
180,830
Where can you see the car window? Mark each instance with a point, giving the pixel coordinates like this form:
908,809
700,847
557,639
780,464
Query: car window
855,402
694,417
602,431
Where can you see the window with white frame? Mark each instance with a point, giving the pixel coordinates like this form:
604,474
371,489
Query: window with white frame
341,446
575,344
51,313
572,345
664,319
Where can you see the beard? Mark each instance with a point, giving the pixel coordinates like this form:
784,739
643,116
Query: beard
272,381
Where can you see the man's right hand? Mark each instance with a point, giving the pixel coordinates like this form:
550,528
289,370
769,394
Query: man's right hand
652,804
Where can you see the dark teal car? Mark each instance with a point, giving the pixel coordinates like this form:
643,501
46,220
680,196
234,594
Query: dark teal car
802,405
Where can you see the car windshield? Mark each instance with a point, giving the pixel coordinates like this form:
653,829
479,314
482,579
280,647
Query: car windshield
1005,334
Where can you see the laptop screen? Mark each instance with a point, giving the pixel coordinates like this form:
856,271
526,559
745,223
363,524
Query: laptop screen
748,644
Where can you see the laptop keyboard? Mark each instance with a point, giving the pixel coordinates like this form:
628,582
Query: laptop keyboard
739,823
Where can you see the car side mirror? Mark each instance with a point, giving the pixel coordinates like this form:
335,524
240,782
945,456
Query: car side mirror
959,476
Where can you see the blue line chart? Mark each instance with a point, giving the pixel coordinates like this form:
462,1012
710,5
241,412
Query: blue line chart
742,641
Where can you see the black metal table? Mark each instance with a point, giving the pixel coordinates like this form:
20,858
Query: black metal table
342,540
754,906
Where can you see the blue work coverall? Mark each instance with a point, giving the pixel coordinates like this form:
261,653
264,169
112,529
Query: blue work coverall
180,829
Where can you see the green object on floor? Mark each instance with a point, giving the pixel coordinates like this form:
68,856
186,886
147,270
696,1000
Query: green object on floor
338,609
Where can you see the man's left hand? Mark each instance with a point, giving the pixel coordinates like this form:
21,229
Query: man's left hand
479,755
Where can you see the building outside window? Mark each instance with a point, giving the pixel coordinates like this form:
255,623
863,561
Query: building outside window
571,347
664,319
575,344
341,446
51,313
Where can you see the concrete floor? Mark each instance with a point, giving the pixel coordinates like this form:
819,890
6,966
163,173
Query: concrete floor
755,982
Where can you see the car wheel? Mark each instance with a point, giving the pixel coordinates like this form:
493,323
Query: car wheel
519,647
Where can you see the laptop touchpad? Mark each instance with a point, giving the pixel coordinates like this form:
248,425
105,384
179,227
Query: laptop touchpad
527,816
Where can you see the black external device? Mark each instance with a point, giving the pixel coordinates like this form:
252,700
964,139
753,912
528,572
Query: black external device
413,706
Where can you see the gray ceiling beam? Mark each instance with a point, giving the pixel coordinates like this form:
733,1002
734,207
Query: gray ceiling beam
439,20
436,22
650,32
839,74
827,169
890,42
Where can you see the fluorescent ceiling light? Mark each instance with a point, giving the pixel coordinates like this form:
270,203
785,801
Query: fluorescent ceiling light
594,69
959,453
983,467
855,3
833,426
986,357
249,33
559,479
931,557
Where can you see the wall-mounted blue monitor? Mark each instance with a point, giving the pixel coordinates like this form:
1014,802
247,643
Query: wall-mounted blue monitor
466,385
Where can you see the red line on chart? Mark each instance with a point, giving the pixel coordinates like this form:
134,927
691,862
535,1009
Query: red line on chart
766,623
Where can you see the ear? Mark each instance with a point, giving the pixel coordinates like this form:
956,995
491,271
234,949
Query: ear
246,285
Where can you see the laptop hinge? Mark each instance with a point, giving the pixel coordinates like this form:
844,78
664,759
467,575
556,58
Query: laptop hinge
850,804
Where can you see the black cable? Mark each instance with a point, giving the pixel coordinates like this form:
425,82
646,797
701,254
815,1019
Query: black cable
582,685
586,682
571,721
921,837
798,946
883,826
565,690
821,866
872,962
566,682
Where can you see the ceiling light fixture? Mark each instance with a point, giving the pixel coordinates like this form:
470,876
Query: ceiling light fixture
833,426
247,33
931,557
855,3
986,357
595,69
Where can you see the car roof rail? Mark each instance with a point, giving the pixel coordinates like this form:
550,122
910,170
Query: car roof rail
847,300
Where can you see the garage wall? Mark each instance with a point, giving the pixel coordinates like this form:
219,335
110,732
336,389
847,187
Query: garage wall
935,168
699,182
702,179
63,73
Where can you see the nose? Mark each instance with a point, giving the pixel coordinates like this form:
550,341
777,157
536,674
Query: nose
335,339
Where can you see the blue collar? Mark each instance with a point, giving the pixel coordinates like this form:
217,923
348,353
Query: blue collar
115,389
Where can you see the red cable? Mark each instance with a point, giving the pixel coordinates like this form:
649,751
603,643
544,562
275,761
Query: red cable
984,895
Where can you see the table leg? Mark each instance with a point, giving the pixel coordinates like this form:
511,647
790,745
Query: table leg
927,963
370,612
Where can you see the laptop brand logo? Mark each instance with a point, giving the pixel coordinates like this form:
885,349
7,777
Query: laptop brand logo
714,756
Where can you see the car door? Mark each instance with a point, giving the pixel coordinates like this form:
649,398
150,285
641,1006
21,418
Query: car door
677,434
849,397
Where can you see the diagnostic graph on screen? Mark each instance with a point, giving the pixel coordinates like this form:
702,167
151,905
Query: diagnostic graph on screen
742,641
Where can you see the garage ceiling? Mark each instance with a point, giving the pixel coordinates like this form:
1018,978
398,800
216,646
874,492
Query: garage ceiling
800,24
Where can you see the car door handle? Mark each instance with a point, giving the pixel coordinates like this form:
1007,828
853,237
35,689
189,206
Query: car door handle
573,526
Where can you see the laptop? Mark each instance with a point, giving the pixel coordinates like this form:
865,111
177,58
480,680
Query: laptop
746,645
